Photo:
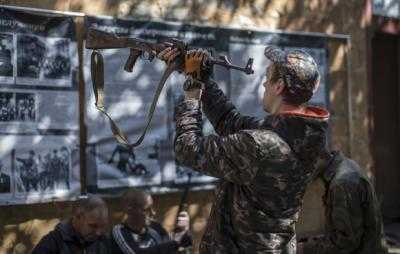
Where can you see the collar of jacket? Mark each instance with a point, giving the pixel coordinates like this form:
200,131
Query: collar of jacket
68,232
336,158
309,111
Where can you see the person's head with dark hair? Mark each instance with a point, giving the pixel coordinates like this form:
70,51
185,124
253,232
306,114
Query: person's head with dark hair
90,218
138,206
292,78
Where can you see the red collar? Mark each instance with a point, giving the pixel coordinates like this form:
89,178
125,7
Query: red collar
309,111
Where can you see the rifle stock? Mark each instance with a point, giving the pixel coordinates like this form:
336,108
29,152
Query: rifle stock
97,39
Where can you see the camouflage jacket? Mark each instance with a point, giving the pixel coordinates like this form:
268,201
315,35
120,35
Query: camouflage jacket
354,221
264,167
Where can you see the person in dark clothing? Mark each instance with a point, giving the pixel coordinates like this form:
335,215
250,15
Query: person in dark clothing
264,165
29,171
354,221
5,181
81,234
65,165
124,155
139,234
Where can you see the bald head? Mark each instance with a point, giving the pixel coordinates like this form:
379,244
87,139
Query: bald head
89,204
138,206
134,198
90,217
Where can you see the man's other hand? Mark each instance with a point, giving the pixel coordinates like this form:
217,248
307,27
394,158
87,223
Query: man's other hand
169,54
193,63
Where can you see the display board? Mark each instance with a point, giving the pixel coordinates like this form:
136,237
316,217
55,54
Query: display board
387,8
128,97
39,108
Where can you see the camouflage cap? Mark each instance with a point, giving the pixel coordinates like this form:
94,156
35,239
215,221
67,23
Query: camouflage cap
298,70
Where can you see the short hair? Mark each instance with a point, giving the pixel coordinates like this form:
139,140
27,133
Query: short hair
275,73
134,198
89,204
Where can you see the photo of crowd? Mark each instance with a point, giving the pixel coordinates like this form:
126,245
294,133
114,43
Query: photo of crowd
43,58
17,107
44,171
57,64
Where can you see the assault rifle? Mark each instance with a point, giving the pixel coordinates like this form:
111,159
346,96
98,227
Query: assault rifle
97,39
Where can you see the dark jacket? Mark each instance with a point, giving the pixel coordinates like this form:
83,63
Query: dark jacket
154,241
65,240
264,167
354,221
5,183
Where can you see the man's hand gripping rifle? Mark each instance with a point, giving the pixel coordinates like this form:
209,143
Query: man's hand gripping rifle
97,39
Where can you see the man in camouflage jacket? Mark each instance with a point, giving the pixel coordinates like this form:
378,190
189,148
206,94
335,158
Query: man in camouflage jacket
264,165
354,221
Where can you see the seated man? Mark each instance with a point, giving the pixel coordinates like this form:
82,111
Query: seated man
354,221
79,234
140,235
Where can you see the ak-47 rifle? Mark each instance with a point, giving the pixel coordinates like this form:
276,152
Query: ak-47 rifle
97,39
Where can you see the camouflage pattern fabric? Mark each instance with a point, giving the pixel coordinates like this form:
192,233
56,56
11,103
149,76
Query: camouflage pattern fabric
298,70
264,167
354,221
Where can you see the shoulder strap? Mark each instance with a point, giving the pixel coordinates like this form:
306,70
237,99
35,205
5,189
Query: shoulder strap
97,71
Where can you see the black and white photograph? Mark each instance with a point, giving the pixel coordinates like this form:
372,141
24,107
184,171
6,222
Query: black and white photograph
39,168
25,107
7,107
44,171
6,57
43,60
57,64
31,52
119,166
26,111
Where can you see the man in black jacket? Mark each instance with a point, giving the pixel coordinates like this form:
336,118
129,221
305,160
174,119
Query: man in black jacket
139,234
79,234
354,220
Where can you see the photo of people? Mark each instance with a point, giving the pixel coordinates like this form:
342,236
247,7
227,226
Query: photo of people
25,107
127,163
7,107
45,171
117,165
30,56
6,55
57,64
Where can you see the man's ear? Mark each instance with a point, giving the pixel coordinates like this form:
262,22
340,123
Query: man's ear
279,87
